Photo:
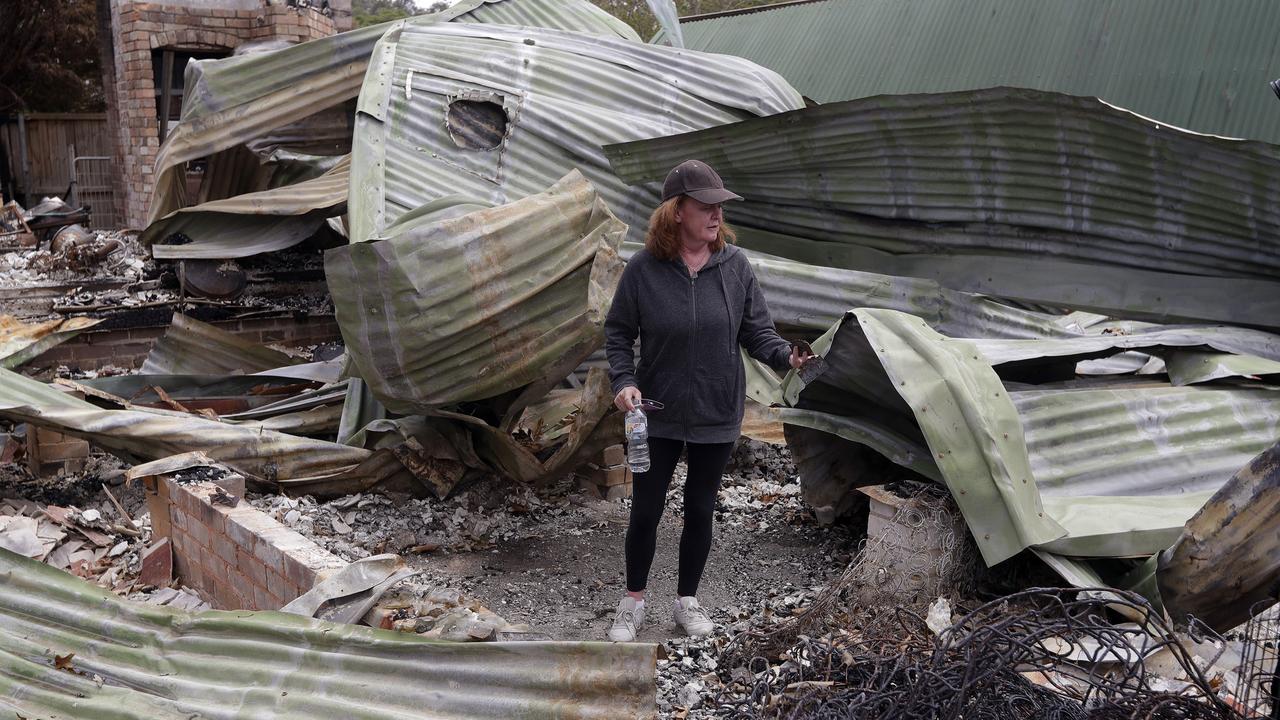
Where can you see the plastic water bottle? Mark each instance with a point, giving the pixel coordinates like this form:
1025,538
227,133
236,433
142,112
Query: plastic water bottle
637,428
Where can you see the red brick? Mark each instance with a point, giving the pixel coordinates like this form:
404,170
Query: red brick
264,600
242,536
224,549
209,515
194,576
298,572
270,555
252,568
198,533
157,564
281,587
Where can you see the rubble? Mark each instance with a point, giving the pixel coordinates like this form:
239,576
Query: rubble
967,427
86,532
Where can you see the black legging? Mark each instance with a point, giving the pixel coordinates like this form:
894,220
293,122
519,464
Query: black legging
649,496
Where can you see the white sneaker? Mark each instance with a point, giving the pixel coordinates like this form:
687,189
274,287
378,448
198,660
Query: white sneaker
690,616
627,620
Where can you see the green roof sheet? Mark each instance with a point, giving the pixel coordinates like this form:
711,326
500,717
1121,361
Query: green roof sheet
1199,64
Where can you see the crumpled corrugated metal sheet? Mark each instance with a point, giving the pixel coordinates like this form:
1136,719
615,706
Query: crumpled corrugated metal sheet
1013,193
252,223
1187,367
812,297
20,342
527,106
266,456
473,307
1222,338
147,662
1075,469
191,347
237,100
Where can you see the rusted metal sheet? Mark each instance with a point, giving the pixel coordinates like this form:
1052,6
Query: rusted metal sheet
191,347
1227,559
20,341
473,307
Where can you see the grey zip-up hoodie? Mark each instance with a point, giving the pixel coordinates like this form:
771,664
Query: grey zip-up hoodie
690,327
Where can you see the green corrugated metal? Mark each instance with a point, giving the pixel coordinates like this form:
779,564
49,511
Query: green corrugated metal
129,661
1197,64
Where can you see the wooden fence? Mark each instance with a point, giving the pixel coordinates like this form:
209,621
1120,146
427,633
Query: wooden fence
39,149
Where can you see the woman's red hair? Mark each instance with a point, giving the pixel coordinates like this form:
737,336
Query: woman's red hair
663,238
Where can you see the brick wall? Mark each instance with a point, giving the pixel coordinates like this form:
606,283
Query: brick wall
128,347
140,27
236,558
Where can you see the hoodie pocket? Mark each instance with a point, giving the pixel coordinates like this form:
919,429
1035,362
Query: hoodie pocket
713,402
656,386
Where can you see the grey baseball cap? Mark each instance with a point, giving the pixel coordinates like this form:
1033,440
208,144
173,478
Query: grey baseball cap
697,180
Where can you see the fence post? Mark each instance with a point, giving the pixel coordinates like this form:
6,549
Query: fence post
24,159
72,190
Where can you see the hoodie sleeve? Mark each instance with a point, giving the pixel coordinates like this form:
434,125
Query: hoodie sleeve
621,327
756,333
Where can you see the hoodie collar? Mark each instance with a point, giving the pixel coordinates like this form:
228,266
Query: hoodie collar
716,258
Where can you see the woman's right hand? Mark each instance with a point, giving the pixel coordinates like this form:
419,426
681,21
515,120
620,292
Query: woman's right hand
627,398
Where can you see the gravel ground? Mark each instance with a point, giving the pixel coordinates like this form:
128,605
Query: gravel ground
553,560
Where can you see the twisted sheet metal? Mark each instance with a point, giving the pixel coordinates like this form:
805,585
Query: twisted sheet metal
191,347
237,100
1076,470
1224,339
234,227
1187,367
147,662
294,463
1017,193
563,96
473,307
1198,64
20,342
813,297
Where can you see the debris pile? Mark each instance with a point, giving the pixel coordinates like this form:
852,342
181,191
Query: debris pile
357,526
114,255
95,538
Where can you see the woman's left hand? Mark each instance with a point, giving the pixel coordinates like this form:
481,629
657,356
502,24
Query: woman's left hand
798,357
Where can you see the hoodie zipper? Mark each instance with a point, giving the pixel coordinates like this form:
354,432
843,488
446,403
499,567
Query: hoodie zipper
693,334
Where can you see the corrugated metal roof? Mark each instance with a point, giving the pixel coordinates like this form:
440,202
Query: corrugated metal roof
295,463
132,661
20,342
236,100
1198,64
191,347
476,306
556,97
1010,192
1084,470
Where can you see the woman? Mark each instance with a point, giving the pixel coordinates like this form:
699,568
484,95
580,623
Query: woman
692,299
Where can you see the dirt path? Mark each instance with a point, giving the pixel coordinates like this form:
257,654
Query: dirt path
567,582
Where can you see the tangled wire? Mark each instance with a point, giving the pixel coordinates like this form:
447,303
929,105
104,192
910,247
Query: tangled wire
1043,653
863,648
